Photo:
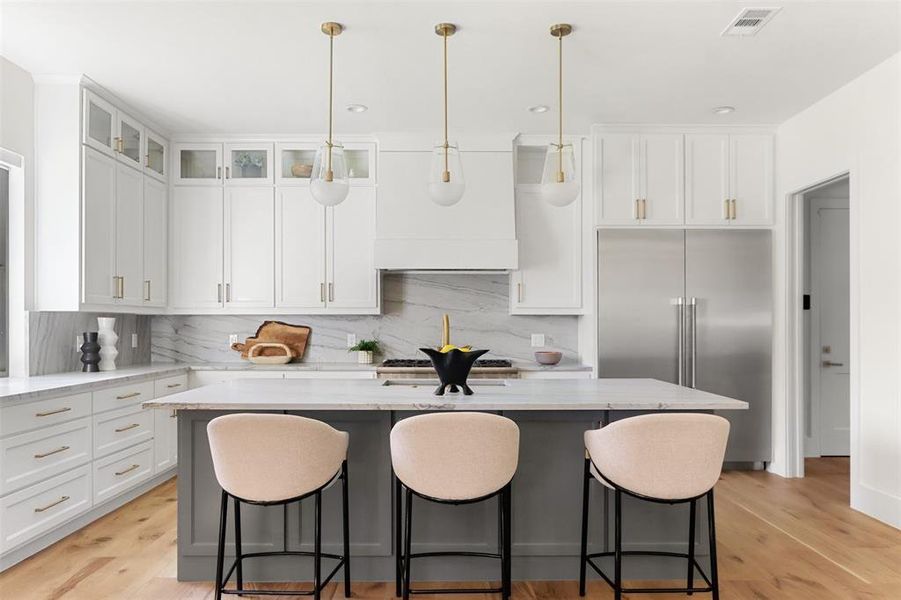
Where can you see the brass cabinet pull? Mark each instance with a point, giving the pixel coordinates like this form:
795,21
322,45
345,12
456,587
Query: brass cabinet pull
331,292
728,209
127,427
147,290
322,292
41,509
228,173
146,160
519,292
218,292
115,286
218,172
52,452
173,385
127,396
733,214
117,144
644,209
228,292
638,209
128,470
53,412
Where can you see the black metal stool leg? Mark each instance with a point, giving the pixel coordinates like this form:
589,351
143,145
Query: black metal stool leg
691,545
398,540
317,547
346,526
507,562
239,571
408,535
220,553
583,558
618,546
714,575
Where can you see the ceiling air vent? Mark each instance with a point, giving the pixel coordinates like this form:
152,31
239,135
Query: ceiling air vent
750,21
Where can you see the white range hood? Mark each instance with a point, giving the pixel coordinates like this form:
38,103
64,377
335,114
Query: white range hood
476,234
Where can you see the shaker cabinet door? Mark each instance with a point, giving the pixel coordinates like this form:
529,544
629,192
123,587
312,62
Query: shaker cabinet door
99,227
129,230
618,189
299,249
662,178
99,124
706,179
154,282
249,247
352,279
752,179
195,263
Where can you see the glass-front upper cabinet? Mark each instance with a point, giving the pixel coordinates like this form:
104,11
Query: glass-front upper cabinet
99,124
248,164
360,157
156,153
129,140
294,162
197,164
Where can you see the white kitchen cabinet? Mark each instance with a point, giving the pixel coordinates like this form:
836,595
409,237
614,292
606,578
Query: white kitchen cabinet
617,183
99,285
352,279
165,439
129,215
99,124
196,259
300,249
129,140
248,164
155,243
661,178
249,247
729,179
156,155
197,163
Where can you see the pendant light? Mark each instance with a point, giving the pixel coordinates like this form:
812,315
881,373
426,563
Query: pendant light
559,184
446,183
328,181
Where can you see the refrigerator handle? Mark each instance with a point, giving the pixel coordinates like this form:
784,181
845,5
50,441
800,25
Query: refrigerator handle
693,314
680,328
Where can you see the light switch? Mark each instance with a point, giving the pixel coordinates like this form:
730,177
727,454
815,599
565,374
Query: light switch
537,340
351,340
134,340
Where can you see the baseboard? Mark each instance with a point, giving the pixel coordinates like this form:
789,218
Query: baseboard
17,555
877,504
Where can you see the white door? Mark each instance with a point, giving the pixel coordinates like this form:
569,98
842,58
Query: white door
197,164
706,179
129,230
154,243
165,443
618,184
351,277
830,310
662,184
129,140
751,175
99,123
299,249
549,279
99,227
249,247
195,265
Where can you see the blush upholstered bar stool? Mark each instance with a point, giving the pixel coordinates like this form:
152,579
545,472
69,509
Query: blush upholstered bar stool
663,458
453,458
267,459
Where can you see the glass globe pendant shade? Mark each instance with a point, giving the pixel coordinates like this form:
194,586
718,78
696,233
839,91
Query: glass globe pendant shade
328,181
559,183
446,182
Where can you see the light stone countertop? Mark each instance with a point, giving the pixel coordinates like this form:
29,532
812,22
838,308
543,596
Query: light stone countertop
294,366
30,388
514,394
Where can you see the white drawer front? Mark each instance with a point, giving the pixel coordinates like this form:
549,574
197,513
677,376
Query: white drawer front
119,429
30,457
122,471
42,413
126,395
34,510
170,385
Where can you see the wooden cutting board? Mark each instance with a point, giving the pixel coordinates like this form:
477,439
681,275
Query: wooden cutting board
293,336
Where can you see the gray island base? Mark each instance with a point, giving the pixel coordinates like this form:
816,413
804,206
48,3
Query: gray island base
547,490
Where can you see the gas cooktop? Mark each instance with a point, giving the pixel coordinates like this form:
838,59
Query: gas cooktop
418,362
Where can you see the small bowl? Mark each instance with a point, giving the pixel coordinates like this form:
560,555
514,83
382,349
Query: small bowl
548,357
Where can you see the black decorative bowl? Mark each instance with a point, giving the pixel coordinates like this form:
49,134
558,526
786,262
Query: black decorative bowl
453,368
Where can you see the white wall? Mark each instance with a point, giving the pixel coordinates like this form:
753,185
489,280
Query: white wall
855,129
17,135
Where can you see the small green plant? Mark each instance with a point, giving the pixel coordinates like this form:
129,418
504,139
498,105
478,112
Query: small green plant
365,346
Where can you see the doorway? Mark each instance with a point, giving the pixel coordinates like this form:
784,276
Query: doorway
826,319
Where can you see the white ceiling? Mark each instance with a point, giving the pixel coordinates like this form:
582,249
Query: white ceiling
261,67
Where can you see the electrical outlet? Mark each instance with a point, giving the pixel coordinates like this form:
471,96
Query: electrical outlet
134,340
232,339
351,340
78,343
537,340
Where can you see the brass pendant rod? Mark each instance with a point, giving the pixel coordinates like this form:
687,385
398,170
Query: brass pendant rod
560,92
329,175
446,175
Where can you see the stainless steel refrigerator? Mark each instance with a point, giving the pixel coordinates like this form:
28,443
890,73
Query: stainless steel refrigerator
695,308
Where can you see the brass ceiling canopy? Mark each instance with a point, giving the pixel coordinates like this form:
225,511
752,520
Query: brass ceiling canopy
332,28
561,30
445,29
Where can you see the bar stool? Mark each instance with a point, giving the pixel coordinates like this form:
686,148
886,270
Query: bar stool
662,458
453,458
267,459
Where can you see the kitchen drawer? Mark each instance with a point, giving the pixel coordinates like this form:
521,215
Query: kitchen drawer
170,385
41,413
125,395
122,471
119,429
30,457
39,508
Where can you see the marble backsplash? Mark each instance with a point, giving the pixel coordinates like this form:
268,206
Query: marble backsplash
412,306
51,340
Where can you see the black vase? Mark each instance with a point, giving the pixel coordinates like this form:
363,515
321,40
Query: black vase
90,352
453,368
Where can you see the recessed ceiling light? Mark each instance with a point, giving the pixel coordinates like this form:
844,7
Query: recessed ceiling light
724,110
538,109
357,108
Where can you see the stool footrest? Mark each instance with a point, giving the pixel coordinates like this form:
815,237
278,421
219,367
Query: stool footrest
311,592
680,590
457,591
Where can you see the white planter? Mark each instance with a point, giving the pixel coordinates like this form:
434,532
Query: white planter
108,339
364,357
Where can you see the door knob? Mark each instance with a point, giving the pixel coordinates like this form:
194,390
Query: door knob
827,363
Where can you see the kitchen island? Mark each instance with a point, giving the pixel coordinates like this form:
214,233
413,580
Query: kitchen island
547,490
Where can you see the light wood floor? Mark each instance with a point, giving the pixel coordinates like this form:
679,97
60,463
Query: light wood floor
778,539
